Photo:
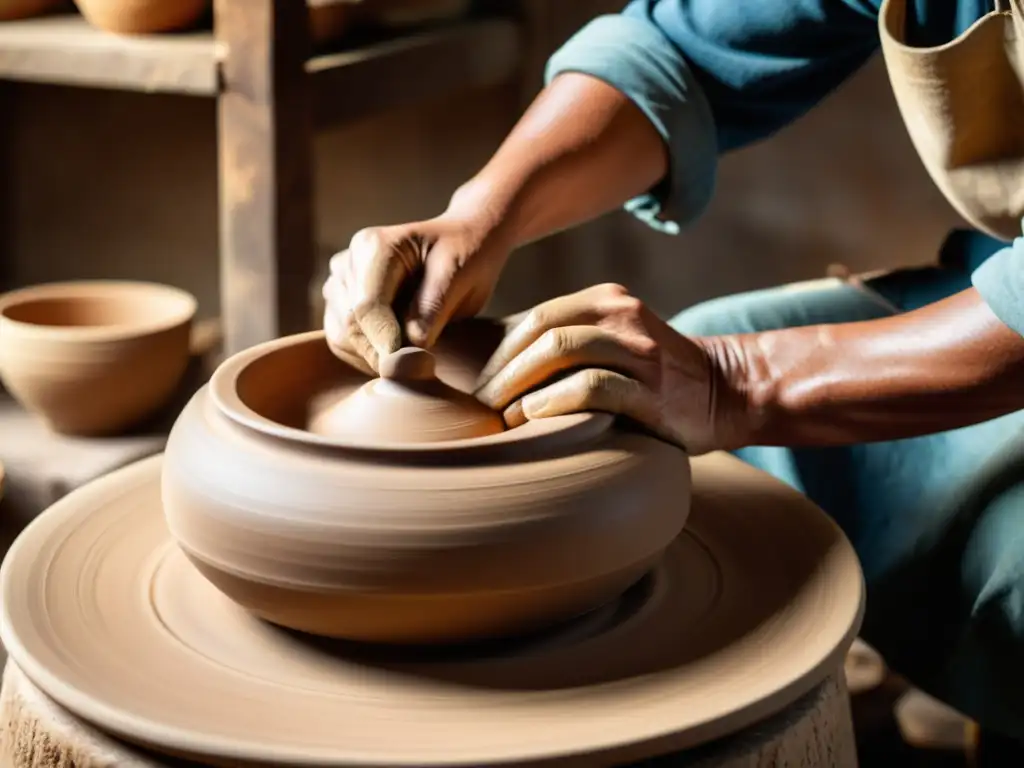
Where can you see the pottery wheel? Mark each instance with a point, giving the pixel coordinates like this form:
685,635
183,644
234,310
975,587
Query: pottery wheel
754,604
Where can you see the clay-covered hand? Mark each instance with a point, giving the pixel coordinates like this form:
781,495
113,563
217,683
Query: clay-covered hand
406,282
602,349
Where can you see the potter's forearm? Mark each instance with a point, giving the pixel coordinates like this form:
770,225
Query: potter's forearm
948,365
581,150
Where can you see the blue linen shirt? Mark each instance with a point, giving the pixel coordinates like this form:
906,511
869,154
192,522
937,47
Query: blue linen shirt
713,76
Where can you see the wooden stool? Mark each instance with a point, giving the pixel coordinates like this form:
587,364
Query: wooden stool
815,732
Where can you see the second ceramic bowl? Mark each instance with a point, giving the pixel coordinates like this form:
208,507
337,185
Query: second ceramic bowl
94,357
140,17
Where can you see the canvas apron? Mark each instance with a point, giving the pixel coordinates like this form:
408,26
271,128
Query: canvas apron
963,105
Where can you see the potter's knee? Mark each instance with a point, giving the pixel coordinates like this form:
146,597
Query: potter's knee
993,569
718,317
997,621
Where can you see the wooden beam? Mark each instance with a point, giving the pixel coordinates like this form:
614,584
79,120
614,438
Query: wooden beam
9,108
266,176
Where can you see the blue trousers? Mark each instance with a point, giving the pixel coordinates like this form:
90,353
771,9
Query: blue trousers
938,521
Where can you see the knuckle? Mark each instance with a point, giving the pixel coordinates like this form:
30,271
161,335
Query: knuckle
371,243
339,261
536,319
630,305
616,300
556,342
623,308
366,238
327,290
646,347
410,248
359,307
595,380
613,290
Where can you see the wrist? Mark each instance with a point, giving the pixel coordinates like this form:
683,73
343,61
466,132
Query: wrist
488,207
744,390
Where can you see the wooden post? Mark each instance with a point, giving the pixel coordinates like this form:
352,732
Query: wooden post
267,252
8,107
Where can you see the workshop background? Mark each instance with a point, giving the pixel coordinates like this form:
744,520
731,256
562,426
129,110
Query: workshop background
113,184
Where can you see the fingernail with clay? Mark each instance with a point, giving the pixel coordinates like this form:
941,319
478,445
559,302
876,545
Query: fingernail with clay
416,330
514,416
533,405
487,394
485,377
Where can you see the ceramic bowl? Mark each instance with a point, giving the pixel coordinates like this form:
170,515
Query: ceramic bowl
142,17
329,20
94,358
410,542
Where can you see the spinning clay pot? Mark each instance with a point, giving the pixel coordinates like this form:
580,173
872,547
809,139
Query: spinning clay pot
400,509
94,357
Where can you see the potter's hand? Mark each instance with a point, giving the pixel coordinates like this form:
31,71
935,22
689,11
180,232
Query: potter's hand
602,350
409,279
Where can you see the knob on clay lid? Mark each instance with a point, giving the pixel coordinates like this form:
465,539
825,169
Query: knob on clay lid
407,404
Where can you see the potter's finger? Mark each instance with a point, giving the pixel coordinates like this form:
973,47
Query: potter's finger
333,292
340,263
350,345
558,350
574,309
377,274
591,389
338,318
435,300
510,322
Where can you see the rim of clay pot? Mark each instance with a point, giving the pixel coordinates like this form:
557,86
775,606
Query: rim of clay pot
172,307
550,432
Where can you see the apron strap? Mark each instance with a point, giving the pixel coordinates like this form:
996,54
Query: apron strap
1016,8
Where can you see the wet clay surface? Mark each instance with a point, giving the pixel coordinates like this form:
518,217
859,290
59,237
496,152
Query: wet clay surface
407,403
752,606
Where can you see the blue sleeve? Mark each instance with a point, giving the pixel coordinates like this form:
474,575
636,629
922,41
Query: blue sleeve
716,75
1000,281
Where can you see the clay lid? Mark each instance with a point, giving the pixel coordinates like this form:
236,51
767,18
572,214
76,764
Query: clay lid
407,404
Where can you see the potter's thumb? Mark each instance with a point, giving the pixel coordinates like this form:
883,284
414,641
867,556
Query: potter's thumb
434,302
379,325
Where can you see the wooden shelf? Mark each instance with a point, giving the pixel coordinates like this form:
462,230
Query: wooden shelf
271,95
66,50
